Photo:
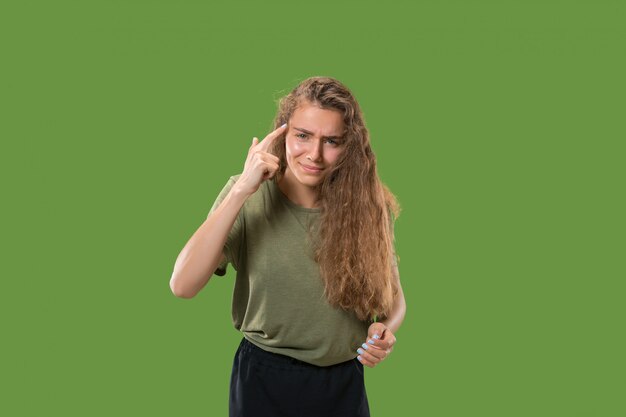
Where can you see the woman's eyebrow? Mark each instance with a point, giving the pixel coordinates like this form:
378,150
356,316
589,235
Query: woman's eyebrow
310,133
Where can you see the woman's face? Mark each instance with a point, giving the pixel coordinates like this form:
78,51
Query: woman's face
313,143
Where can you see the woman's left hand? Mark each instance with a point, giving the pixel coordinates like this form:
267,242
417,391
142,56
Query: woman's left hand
378,346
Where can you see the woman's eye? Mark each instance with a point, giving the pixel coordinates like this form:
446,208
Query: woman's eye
303,136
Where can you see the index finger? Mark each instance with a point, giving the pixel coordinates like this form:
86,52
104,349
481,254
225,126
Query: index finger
267,140
378,343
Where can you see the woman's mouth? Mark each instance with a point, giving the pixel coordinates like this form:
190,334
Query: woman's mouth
311,169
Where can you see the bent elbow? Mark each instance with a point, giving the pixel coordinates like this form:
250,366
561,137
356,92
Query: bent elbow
179,291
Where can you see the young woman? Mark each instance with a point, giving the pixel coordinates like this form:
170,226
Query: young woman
308,226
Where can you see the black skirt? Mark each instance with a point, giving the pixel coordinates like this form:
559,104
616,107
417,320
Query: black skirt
266,384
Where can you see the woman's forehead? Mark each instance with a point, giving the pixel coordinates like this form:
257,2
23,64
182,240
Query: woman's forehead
314,120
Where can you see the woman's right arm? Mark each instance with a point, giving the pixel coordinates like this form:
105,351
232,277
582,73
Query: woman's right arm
204,251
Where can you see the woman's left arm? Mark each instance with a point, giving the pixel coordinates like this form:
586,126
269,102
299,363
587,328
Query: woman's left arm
380,335
396,317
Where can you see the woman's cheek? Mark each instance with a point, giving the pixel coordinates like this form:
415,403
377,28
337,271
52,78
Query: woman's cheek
334,155
296,148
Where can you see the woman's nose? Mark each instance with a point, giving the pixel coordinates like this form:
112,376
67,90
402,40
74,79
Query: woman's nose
315,151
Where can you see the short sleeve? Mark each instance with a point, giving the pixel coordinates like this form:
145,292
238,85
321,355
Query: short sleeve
234,239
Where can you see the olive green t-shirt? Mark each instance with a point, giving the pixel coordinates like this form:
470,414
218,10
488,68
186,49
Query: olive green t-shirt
278,299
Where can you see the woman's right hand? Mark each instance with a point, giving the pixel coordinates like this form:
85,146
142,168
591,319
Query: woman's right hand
260,164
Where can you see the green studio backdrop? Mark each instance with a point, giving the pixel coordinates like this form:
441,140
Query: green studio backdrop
498,125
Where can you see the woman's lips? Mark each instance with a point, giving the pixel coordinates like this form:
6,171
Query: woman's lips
313,170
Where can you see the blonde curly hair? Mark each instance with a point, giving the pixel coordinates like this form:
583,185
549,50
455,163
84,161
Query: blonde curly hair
354,243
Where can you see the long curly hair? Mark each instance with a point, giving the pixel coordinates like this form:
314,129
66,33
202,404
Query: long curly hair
354,241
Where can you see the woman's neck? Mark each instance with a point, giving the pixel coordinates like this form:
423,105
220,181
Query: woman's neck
298,193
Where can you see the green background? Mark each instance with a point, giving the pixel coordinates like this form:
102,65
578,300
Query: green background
498,124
